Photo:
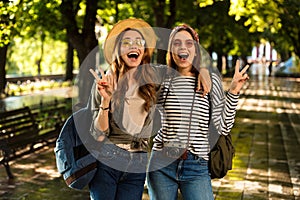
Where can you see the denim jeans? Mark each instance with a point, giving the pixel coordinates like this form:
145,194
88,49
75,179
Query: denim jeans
118,181
190,176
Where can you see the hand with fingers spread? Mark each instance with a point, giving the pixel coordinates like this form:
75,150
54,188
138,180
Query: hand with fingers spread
105,89
104,85
239,78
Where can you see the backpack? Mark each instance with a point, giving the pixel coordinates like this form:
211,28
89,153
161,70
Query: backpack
76,164
222,152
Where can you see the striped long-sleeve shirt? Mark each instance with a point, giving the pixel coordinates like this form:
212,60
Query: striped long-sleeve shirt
186,115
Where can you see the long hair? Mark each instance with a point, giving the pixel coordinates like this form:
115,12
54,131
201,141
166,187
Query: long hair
197,59
144,76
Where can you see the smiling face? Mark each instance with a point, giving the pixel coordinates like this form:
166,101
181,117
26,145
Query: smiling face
132,48
183,50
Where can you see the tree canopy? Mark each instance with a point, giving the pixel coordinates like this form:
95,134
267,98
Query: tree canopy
227,27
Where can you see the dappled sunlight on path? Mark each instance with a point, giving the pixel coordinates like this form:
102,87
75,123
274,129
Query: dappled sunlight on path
267,138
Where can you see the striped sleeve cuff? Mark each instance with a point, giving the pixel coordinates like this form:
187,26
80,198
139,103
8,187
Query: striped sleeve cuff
233,99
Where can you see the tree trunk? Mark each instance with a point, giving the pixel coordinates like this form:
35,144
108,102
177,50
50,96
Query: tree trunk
162,44
39,61
234,59
3,54
219,62
70,62
83,40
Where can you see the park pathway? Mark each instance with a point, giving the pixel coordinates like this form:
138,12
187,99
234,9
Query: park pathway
266,136
267,140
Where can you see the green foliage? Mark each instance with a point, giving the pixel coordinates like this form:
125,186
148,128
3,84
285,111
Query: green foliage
7,19
275,20
111,12
260,14
39,17
218,31
24,54
30,19
224,26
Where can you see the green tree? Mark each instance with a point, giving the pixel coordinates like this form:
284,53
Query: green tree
81,35
289,15
7,29
165,17
224,26
40,19
218,31
27,19
274,20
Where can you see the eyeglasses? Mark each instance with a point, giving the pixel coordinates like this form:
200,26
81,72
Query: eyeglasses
129,42
188,43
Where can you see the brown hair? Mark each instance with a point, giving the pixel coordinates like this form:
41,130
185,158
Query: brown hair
196,61
144,76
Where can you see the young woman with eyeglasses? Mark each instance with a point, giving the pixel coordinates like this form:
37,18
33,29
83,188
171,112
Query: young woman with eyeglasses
179,157
123,105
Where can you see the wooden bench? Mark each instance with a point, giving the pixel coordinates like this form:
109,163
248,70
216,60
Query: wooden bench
22,132
52,114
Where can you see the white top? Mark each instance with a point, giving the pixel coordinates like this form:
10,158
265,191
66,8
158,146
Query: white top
134,114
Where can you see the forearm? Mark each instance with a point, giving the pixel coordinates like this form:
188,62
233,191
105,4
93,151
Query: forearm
223,107
102,119
229,112
100,123
233,90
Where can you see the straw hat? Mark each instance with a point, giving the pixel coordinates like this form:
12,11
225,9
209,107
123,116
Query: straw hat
142,26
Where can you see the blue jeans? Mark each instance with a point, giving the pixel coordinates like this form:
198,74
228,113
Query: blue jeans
115,179
190,176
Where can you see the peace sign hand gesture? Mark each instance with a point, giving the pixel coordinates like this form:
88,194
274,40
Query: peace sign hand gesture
104,85
239,78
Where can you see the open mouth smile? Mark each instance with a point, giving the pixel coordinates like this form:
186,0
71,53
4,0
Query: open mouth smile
134,55
183,56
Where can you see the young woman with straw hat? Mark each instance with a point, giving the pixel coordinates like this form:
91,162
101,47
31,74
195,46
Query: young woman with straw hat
123,104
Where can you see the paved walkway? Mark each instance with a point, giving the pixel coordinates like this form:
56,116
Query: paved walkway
266,165
267,140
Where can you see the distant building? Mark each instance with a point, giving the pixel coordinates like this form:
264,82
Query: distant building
262,57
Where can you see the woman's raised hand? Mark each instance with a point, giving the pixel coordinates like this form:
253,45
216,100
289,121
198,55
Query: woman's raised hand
104,84
239,78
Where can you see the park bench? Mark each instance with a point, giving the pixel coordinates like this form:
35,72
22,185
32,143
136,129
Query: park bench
51,114
25,130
